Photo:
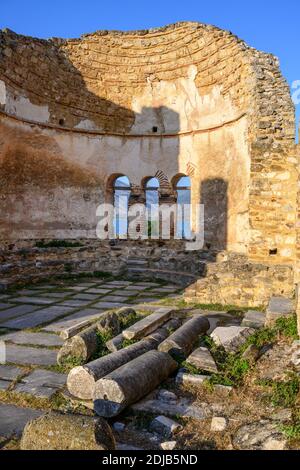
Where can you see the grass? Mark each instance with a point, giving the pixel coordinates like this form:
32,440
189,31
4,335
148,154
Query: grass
128,342
292,430
57,244
67,365
102,338
283,394
234,368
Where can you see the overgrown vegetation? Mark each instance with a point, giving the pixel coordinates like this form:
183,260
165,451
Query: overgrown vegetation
292,430
102,338
233,367
283,394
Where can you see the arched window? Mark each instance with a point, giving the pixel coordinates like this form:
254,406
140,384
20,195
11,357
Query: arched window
121,198
183,224
152,206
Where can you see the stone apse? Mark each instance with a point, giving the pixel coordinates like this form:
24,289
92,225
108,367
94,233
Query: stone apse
184,100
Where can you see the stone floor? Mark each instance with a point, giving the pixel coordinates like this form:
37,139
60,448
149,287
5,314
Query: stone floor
31,320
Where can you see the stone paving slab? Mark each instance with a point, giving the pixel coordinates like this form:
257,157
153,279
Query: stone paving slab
13,419
98,291
58,295
5,305
135,287
30,356
107,305
87,315
37,339
114,298
41,383
121,283
87,284
33,300
77,288
10,372
46,378
85,296
4,385
45,287
17,311
38,317
35,390
74,303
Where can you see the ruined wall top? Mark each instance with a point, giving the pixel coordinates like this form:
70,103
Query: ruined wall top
133,82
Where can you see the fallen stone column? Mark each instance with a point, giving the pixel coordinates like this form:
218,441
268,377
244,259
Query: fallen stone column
126,385
148,324
55,431
180,343
84,344
115,343
81,380
81,346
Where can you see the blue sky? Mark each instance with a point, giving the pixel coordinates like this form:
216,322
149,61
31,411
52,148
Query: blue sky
268,25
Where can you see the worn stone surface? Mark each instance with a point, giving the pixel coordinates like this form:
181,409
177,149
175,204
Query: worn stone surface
148,324
4,384
181,342
38,339
27,355
39,317
82,379
13,419
168,445
74,323
279,307
10,372
13,312
165,426
184,378
218,424
262,435
231,337
54,431
127,384
41,383
254,319
202,359
184,407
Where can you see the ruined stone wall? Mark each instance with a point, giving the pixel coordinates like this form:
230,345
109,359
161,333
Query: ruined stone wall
186,99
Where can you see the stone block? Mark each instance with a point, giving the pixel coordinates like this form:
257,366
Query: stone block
278,307
13,419
164,426
254,319
10,372
202,359
30,356
231,338
36,339
218,424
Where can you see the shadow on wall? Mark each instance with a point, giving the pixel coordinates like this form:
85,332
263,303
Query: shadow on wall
213,194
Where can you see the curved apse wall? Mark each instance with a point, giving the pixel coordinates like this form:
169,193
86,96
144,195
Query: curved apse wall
188,98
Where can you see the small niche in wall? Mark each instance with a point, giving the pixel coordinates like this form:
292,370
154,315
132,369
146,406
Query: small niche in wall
61,122
154,129
273,252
